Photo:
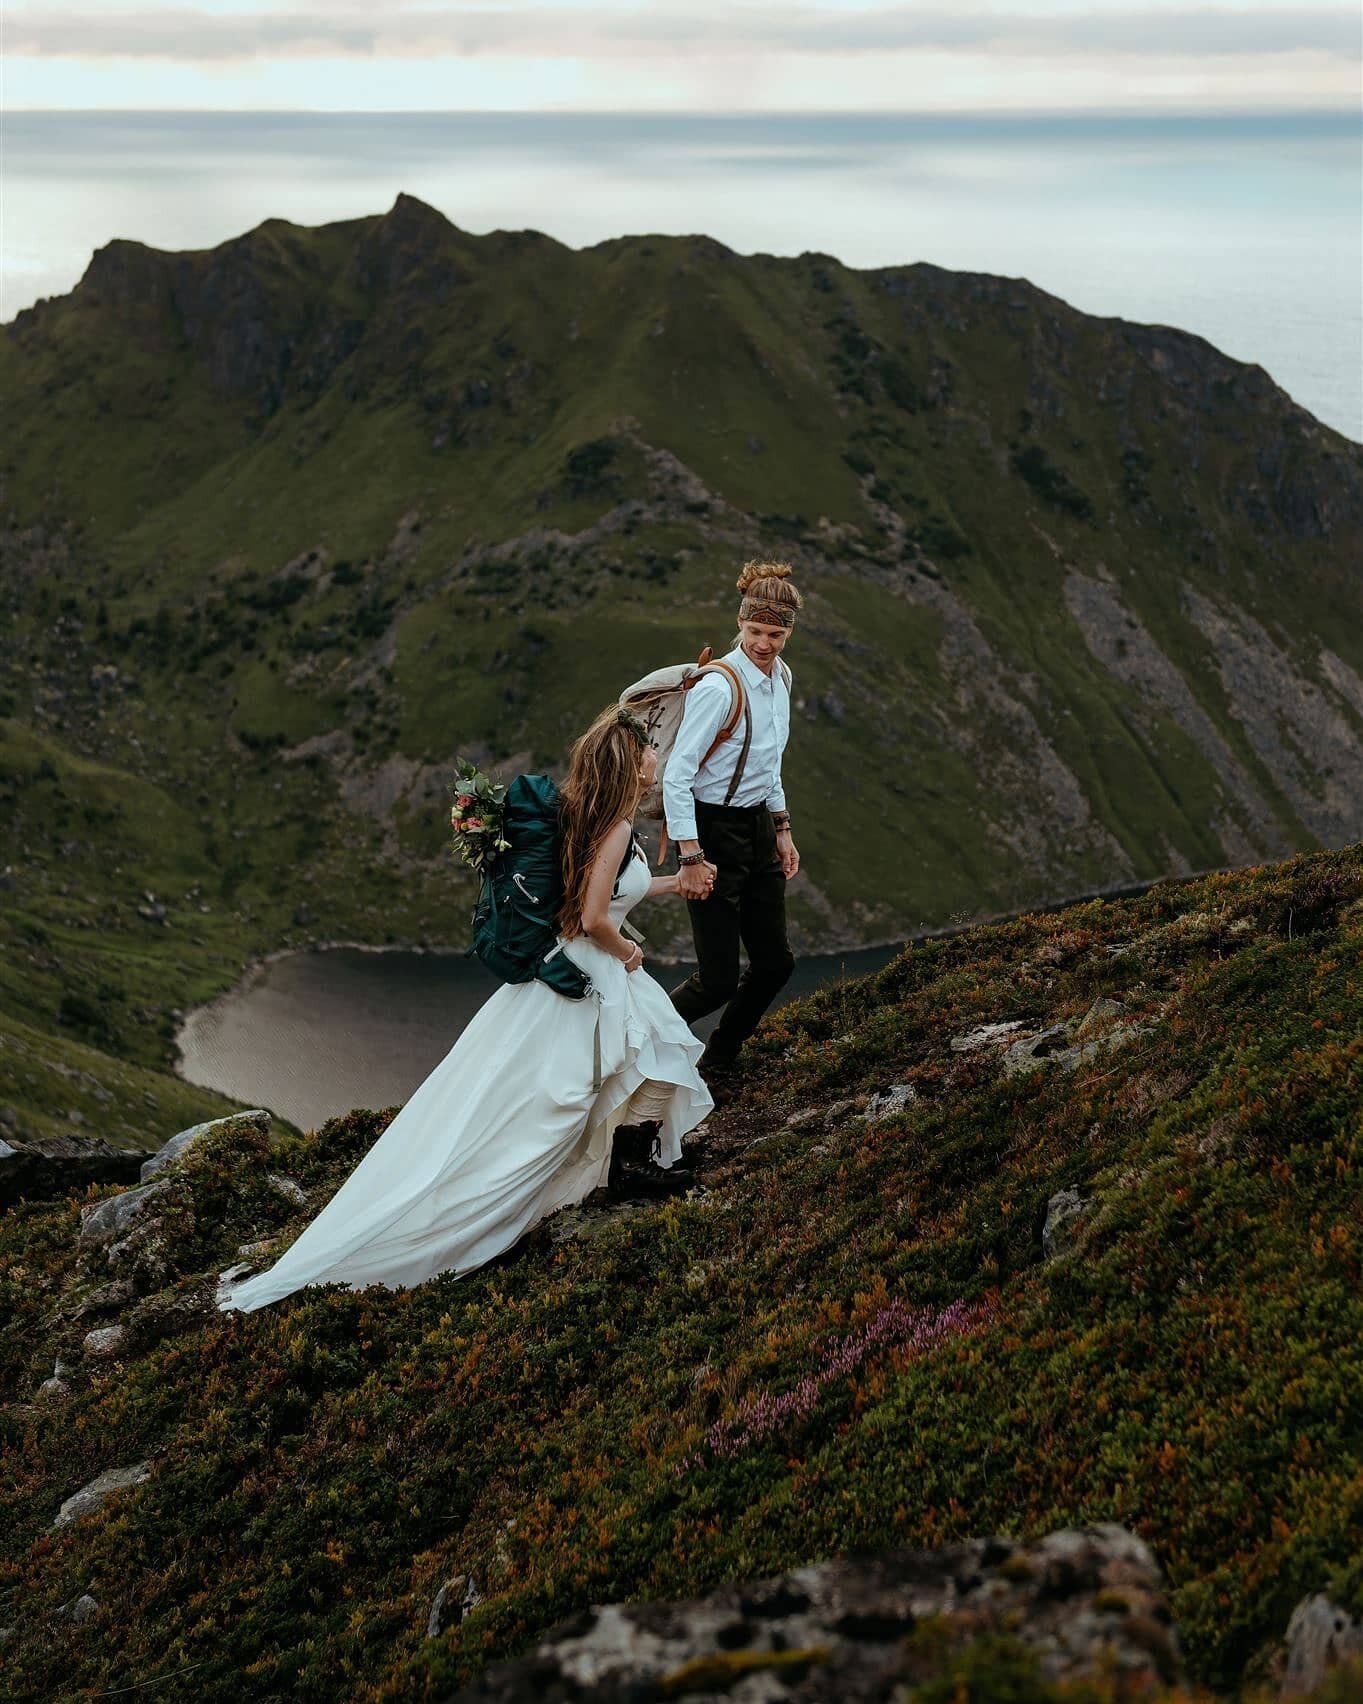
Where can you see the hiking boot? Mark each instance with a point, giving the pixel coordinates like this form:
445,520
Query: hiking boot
646,1180
631,1145
636,1141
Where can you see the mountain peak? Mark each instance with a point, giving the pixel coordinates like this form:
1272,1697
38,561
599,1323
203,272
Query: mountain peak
410,213
127,274
401,244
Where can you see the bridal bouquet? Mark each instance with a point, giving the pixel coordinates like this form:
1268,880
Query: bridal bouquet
477,810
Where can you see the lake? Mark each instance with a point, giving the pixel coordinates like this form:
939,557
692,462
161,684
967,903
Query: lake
1244,228
313,1034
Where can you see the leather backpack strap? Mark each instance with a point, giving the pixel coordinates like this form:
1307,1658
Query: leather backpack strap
740,710
742,756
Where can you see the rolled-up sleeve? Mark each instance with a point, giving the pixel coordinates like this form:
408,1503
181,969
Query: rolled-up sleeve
707,704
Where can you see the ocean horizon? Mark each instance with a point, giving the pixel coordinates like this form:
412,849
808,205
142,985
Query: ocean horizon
1246,229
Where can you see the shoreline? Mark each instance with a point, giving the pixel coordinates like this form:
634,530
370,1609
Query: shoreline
256,966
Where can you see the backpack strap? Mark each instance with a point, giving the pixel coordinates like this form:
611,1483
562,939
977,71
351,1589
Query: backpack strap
740,711
742,763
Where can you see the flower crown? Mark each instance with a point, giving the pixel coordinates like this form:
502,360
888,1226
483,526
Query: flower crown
627,719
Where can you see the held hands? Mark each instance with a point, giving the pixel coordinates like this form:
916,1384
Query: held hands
785,850
695,881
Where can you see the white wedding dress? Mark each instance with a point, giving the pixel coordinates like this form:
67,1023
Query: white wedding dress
515,1121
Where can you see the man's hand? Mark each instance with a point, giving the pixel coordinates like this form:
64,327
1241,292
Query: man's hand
785,850
694,881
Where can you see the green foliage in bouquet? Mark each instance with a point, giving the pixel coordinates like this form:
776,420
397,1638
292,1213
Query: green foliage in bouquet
477,813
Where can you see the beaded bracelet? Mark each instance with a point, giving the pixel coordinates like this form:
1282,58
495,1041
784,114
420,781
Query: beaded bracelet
690,858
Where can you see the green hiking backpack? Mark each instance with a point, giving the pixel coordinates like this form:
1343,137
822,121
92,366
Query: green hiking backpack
515,922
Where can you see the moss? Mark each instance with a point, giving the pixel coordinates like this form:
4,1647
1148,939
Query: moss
725,1669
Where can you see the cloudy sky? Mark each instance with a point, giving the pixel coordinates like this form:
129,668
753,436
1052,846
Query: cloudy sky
690,55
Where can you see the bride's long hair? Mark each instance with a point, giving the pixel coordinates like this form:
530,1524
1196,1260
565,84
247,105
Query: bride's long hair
603,785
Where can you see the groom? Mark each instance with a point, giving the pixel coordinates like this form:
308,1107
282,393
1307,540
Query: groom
729,808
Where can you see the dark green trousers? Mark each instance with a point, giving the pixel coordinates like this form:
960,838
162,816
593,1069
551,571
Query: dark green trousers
747,907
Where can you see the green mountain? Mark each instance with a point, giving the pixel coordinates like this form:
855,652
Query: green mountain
1054,1222
289,523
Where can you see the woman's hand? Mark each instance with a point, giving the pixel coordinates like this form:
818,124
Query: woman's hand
636,958
695,881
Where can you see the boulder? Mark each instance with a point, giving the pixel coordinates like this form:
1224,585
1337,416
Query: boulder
1088,1603
105,1298
110,1220
1098,1017
79,1610
1064,1212
105,1342
42,1167
172,1149
1320,1636
1055,1046
452,1603
89,1497
986,1035
1031,1052
885,1103
286,1187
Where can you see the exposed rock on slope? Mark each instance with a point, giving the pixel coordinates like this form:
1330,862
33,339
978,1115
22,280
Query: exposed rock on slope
1082,1605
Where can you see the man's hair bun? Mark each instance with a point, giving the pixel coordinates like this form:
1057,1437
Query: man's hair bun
752,572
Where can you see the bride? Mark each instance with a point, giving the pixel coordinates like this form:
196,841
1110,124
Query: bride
521,1116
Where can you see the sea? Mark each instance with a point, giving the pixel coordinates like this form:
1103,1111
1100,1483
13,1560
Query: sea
1247,229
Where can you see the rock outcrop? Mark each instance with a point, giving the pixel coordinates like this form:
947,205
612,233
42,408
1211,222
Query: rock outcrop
1080,1602
177,1144
91,1496
1320,1637
1065,1211
39,1167
108,1221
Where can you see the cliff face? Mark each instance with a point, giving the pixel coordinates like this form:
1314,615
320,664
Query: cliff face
293,521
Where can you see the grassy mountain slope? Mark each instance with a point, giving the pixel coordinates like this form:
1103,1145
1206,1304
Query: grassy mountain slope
854,1340
292,521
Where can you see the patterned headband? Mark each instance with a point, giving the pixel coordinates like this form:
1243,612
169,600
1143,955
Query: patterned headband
774,615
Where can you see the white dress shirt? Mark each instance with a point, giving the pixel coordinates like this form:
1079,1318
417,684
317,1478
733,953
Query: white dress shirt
707,704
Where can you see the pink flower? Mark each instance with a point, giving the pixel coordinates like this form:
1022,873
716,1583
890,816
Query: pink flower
912,1330
464,801
475,822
